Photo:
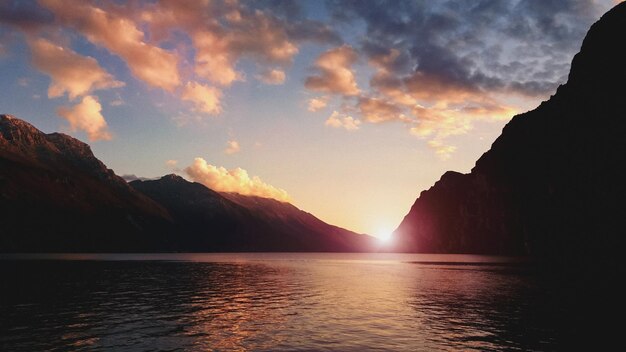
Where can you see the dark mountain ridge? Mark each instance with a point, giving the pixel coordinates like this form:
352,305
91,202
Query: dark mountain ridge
552,184
56,196
244,223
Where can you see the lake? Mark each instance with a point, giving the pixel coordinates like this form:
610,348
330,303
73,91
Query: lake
275,302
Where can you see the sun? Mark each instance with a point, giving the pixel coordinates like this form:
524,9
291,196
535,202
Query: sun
384,236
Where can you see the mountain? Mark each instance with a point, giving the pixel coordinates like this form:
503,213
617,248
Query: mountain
552,184
228,221
56,196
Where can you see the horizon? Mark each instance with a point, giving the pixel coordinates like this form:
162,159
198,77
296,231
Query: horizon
330,99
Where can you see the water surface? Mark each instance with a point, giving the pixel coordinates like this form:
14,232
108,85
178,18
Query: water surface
274,302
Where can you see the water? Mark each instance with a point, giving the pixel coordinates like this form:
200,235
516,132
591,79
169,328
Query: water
274,302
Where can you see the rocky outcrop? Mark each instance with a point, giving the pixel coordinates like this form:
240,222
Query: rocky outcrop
552,184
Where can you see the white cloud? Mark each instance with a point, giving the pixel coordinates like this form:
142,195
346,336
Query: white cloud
236,181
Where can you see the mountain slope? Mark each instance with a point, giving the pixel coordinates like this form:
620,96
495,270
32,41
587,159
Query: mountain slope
552,184
231,222
312,231
55,195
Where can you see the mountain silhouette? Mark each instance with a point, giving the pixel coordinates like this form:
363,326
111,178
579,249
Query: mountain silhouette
56,196
228,221
552,184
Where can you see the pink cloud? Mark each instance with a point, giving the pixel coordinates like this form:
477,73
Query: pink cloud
121,36
86,116
272,76
339,120
204,98
335,72
222,34
316,104
71,73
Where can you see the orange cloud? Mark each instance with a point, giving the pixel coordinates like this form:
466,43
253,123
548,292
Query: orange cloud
205,99
71,73
440,122
316,104
121,36
222,33
214,61
86,116
232,147
378,110
336,75
431,88
273,76
339,120
236,181
441,149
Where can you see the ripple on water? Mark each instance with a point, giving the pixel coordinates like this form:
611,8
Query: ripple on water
272,303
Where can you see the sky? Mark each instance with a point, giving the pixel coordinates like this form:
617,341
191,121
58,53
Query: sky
347,109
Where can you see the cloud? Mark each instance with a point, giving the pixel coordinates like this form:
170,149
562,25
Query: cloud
86,116
335,72
23,15
222,33
133,177
316,104
232,147
378,110
339,120
442,150
438,67
205,99
121,36
438,123
236,181
23,82
171,163
168,43
523,47
272,76
118,101
71,73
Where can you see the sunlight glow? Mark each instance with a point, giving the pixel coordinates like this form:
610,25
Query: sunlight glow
384,236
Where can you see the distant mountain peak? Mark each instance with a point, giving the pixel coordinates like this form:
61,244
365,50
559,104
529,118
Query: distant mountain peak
173,178
22,137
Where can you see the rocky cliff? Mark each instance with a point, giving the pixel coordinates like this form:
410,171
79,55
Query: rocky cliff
553,183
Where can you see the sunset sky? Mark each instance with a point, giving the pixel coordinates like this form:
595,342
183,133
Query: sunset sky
347,109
